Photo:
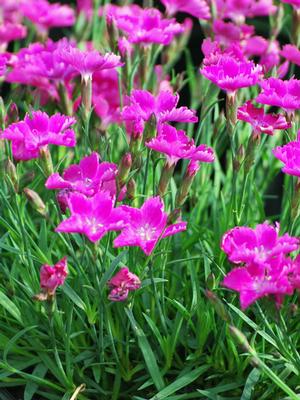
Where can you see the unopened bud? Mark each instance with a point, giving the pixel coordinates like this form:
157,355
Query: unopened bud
124,169
211,281
174,216
242,341
36,202
113,33
239,158
165,178
12,114
131,189
12,174
188,179
46,160
218,305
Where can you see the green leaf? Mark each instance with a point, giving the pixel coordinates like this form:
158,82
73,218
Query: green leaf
10,307
250,383
31,387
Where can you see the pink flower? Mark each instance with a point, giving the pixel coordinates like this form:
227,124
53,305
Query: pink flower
259,245
37,131
228,68
92,216
142,105
3,61
148,26
289,154
238,10
227,33
45,15
86,7
279,93
146,226
253,283
11,31
196,8
53,276
88,62
177,145
89,177
291,53
122,283
294,3
271,57
261,122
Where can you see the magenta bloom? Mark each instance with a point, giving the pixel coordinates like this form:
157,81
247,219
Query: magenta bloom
177,145
253,283
279,93
11,31
92,216
3,61
291,53
227,33
88,178
238,10
261,122
53,276
122,283
228,68
259,245
196,8
37,131
143,104
88,62
148,26
289,154
146,226
46,15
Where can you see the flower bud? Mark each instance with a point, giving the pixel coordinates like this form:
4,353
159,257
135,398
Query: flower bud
113,33
165,178
188,179
13,114
46,160
174,216
218,305
131,189
211,281
242,341
36,202
124,169
12,174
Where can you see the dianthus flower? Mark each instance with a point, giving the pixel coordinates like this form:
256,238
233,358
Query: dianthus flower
37,131
291,53
146,226
11,31
148,26
89,177
261,122
279,93
254,282
3,61
228,68
196,8
46,15
289,154
10,11
227,33
238,10
122,283
142,105
92,216
53,276
176,145
88,62
246,245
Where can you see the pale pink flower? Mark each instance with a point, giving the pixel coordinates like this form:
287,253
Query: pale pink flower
92,216
261,122
142,105
46,15
196,8
246,245
89,177
289,155
148,26
291,53
37,131
176,145
146,226
53,276
122,283
279,93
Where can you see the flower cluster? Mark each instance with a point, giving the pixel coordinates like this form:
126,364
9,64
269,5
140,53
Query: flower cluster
289,155
265,267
